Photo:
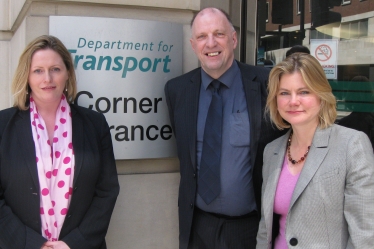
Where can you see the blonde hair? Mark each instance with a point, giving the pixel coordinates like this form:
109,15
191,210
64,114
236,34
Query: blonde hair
314,78
20,86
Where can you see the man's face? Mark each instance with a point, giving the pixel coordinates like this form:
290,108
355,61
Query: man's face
213,41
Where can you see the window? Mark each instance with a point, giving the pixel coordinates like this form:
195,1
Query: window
363,29
310,6
355,29
322,34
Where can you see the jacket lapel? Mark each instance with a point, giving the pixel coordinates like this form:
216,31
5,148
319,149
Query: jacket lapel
253,98
27,146
78,141
276,162
317,153
192,106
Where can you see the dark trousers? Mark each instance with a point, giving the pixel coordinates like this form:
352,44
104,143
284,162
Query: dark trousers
212,231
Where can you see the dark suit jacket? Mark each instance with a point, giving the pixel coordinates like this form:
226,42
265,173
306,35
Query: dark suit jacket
95,182
182,96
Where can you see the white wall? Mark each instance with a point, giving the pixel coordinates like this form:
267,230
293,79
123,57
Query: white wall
4,72
146,213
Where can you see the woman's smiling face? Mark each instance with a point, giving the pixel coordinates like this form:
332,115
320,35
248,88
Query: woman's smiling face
296,103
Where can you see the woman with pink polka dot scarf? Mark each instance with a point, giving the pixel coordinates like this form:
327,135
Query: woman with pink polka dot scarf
58,178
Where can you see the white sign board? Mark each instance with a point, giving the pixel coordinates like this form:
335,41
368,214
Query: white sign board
326,51
122,66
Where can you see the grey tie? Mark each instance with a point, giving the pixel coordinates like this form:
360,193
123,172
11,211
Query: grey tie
209,180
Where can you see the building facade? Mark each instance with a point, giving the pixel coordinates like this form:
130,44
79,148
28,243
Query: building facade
145,215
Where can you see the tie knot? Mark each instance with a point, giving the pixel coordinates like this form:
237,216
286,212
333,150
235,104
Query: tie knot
216,84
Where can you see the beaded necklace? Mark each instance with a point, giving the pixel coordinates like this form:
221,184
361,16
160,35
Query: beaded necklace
289,153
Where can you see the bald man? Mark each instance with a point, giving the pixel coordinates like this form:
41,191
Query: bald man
217,115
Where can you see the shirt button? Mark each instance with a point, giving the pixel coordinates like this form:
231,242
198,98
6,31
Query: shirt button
293,242
191,205
194,175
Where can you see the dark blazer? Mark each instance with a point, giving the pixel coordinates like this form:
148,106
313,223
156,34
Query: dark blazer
182,97
95,186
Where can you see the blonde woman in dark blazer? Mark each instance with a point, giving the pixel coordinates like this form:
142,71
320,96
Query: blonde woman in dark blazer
58,178
318,179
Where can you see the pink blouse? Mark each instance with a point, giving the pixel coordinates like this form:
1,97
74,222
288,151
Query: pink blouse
283,195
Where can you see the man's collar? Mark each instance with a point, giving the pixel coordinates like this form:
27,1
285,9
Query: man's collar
227,78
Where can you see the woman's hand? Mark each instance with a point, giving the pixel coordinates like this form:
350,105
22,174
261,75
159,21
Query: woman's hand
55,245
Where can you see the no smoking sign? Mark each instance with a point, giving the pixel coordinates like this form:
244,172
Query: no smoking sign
323,52
326,51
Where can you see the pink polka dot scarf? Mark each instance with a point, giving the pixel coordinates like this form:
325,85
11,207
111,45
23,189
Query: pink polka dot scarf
55,163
